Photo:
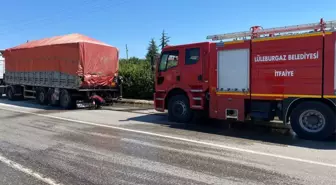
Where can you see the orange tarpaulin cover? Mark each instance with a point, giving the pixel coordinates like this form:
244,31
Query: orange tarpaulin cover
73,54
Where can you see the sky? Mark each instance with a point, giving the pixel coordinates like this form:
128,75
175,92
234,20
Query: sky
135,22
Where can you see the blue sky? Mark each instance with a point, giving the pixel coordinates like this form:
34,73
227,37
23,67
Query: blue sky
135,22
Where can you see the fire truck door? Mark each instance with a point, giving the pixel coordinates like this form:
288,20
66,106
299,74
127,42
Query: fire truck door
168,72
193,67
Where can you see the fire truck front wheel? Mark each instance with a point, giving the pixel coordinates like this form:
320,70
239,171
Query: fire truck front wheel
313,120
179,109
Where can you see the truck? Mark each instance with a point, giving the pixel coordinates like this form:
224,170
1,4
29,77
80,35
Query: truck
2,75
2,70
285,73
69,71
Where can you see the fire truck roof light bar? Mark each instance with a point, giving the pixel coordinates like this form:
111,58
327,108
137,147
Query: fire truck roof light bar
257,31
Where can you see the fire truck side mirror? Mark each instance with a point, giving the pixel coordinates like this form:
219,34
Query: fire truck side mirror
157,59
154,62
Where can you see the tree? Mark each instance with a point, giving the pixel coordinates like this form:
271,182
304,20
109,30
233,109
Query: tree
138,79
164,40
152,50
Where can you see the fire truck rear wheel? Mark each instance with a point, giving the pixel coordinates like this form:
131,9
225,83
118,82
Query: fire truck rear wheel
313,120
179,109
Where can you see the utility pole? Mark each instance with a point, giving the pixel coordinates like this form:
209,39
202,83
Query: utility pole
126,52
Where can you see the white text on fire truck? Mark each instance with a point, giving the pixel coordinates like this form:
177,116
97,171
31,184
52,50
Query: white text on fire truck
277,58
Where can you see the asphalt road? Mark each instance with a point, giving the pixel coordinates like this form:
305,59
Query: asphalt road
124,145
10,176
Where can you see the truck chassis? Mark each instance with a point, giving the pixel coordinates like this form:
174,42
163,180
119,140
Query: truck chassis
65,98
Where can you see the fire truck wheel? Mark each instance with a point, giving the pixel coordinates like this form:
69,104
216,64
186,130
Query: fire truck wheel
313,120
179,109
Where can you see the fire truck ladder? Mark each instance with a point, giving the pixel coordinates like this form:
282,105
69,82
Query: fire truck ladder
258,31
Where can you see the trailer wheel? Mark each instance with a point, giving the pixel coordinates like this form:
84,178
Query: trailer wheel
179,109
52,101
66,100
313,120
41,96
10,93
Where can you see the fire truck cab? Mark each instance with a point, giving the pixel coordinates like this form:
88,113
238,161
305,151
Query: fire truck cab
290,77
182,79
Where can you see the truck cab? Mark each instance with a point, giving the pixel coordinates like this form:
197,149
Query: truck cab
181,80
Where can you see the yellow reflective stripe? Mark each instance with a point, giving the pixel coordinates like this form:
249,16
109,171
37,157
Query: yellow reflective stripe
329,96
276,95
234,42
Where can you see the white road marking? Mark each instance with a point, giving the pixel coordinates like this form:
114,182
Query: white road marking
27,171
175,138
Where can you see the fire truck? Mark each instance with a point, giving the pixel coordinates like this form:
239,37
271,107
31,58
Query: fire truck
284,73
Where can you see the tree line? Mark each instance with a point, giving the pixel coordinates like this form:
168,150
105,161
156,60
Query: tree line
152,50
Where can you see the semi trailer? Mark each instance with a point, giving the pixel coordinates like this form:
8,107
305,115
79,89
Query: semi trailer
2,75
2,69
285,73
66,71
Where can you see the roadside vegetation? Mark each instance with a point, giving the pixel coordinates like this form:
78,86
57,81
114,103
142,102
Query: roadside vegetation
137,73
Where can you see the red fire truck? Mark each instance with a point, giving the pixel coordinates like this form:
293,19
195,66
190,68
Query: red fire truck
285,73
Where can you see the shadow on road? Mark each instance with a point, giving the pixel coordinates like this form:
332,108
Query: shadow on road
254,132
260,133
28,103
40,109
47,109
129,108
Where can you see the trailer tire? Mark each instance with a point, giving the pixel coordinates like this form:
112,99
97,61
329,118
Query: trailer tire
313,120
51,100
179,109
41,96
10,93
66,101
